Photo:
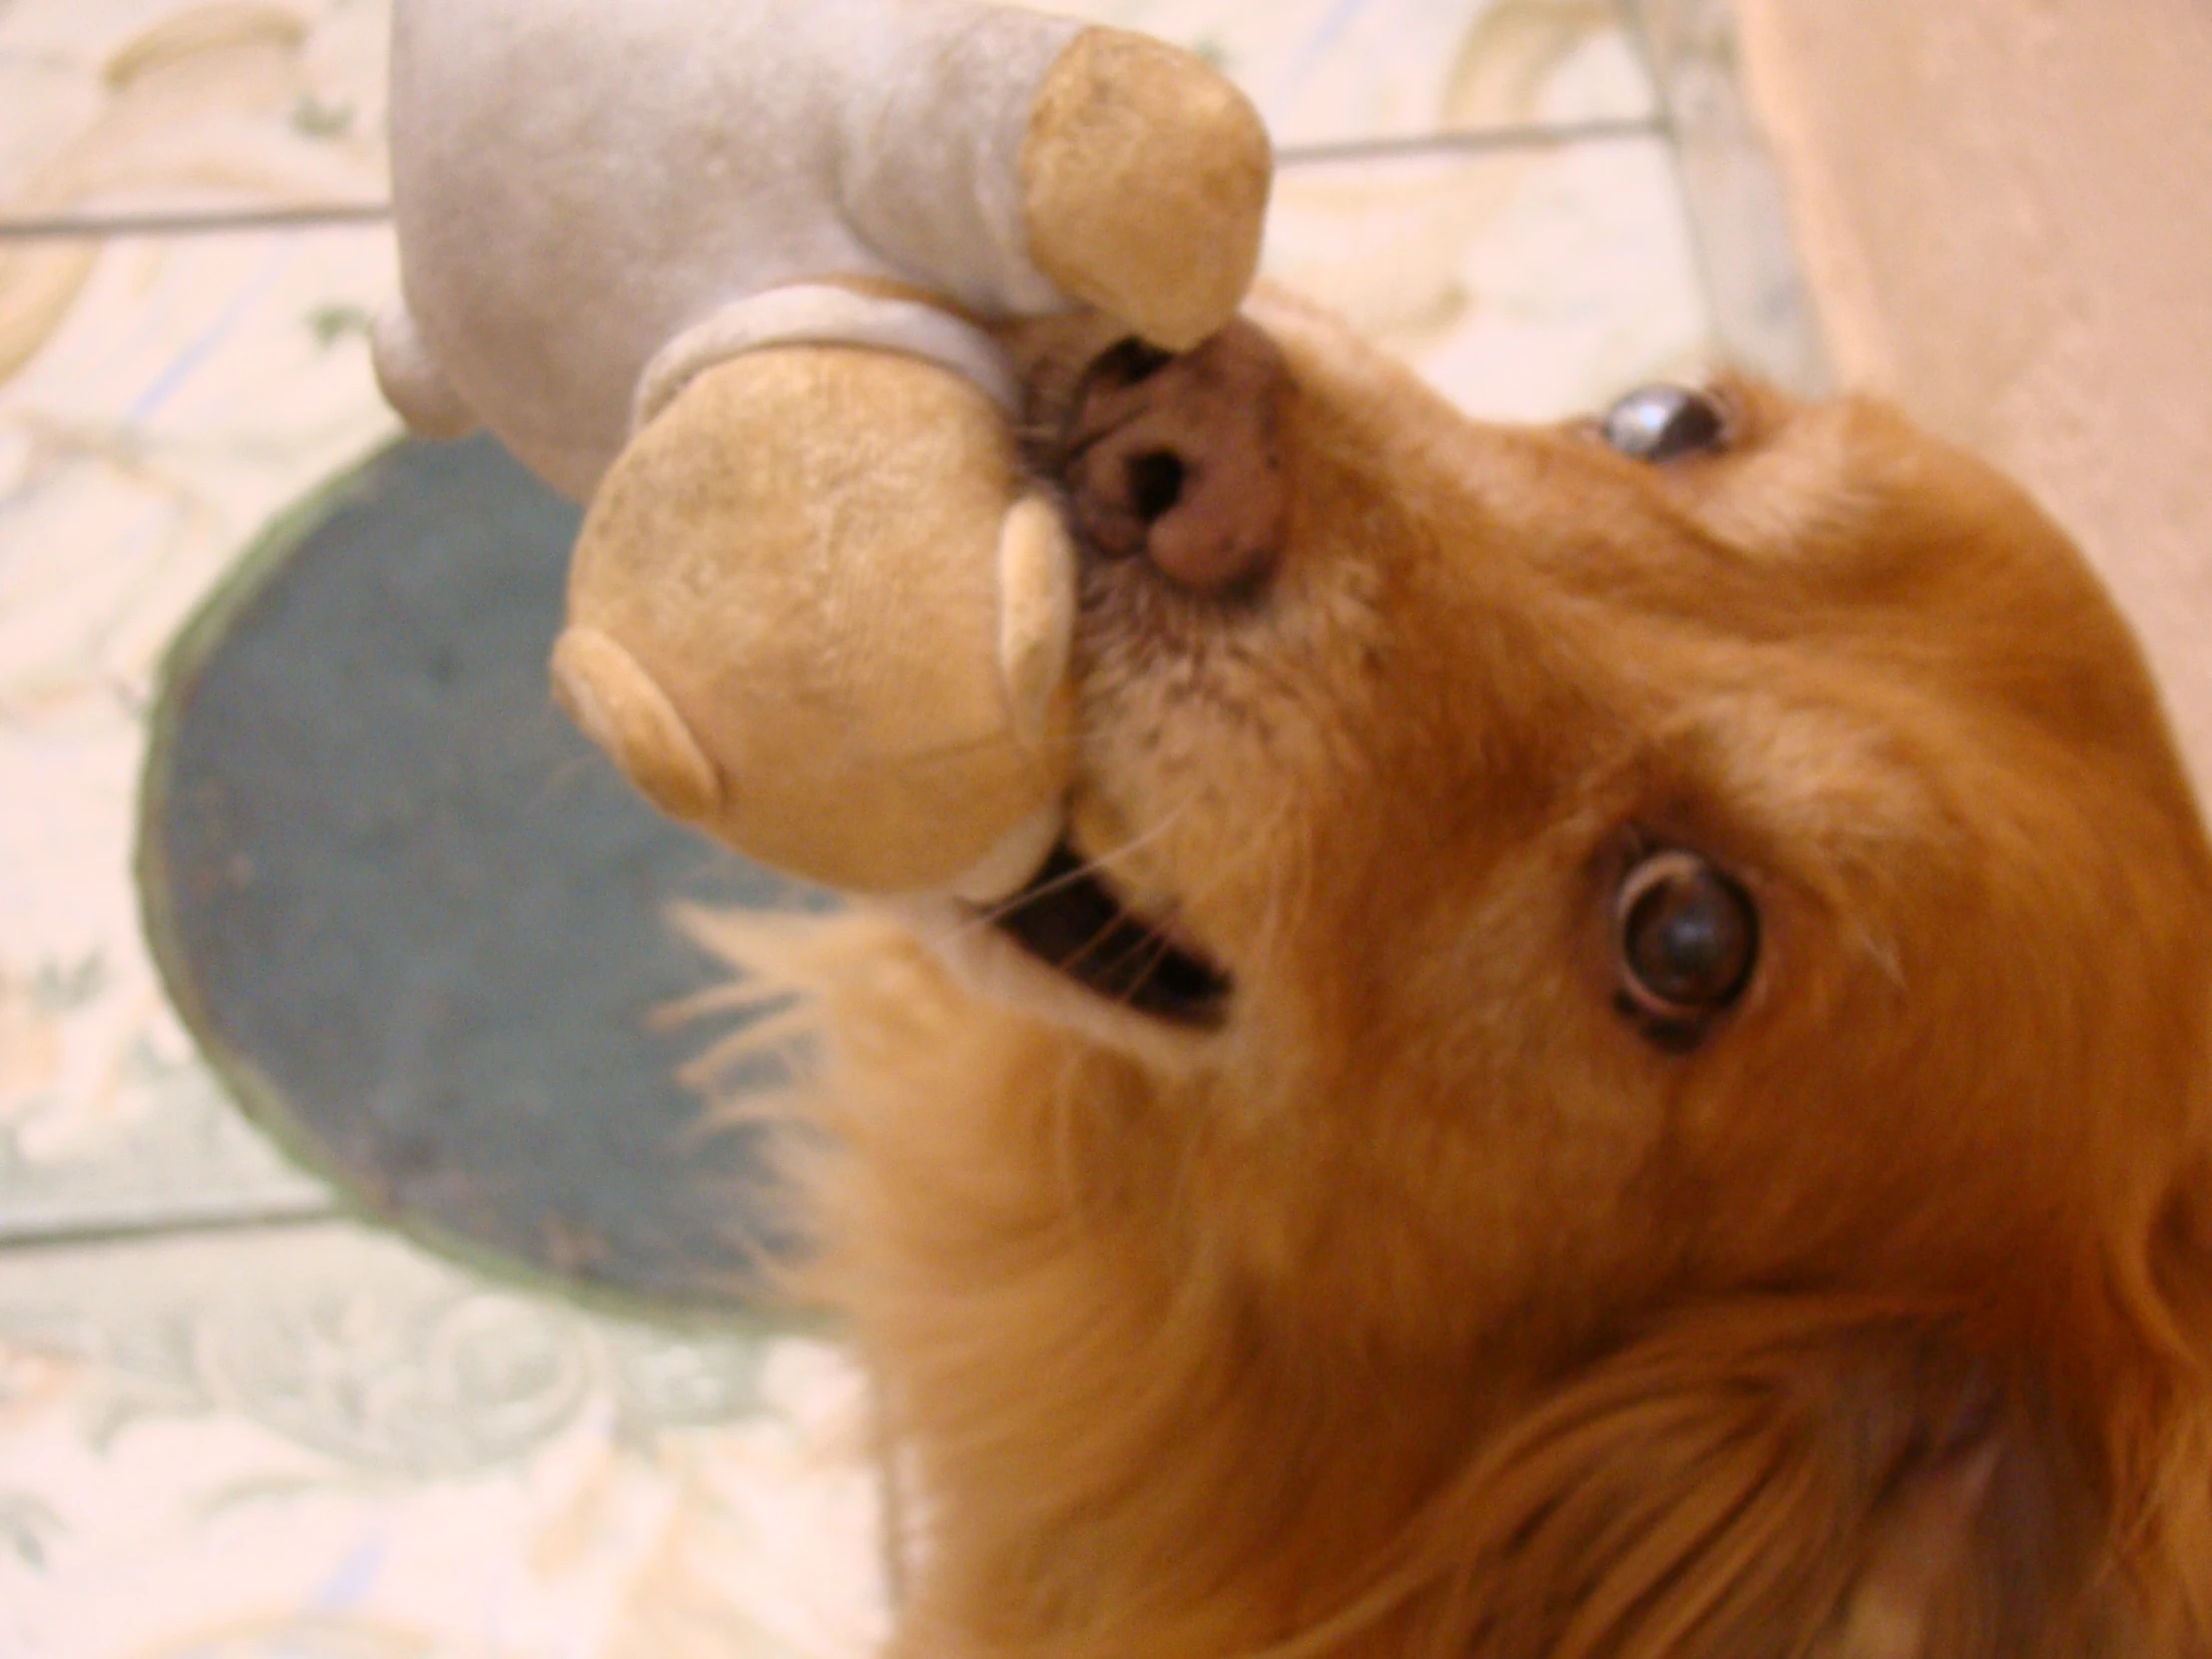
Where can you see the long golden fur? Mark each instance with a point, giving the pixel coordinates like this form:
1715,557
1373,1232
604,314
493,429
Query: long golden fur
1429,1310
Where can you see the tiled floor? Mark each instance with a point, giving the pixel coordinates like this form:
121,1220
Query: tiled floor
231,1423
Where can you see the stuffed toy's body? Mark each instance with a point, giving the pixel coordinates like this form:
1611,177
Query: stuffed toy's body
727,269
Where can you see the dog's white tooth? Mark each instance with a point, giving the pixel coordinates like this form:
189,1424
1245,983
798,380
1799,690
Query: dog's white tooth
1036,611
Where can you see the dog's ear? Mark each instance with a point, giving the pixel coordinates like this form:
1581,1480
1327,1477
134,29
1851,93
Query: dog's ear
1742,1478
2176,1300
2159,1452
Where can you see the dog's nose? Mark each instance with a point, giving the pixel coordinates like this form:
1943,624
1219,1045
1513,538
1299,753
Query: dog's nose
1175,460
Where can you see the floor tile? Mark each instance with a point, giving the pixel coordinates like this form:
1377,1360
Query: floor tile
173,395
1527,285
315,1443
1738,214
122,106
168,105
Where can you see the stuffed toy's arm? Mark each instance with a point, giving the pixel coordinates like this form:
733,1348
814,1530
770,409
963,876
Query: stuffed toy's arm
1017,163
578,183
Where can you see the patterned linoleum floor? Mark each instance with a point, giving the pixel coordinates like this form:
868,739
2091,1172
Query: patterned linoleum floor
233,1424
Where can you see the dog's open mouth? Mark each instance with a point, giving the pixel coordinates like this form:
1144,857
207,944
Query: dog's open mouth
1070,919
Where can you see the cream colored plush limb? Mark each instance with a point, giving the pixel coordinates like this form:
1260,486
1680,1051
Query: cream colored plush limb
411,381
579,183
850,714
576,183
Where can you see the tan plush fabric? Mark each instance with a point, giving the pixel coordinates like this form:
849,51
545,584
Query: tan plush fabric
802,554
1146,182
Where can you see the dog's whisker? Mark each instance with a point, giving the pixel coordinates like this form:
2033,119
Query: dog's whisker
1089,867
1143,841
1883,955
956,751
1156,941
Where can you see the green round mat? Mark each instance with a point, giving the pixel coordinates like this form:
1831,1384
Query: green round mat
419,922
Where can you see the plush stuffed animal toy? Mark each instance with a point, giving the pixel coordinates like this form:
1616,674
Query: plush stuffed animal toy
727,269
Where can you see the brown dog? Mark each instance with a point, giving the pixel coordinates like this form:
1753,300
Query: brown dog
1618,1064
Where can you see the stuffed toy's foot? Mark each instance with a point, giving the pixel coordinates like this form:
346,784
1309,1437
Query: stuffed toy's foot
412,381
1145,179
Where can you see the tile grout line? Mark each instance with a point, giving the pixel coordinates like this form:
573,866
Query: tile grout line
1635,27
1629,18
155,1230
67,228
1761,318
1481,140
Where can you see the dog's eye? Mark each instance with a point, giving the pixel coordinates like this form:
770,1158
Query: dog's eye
1663,423
1688,938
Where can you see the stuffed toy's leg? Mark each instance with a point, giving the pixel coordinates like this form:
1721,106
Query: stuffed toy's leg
1145,179
1015,163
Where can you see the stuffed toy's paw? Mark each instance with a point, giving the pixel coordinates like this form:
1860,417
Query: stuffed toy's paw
1146,178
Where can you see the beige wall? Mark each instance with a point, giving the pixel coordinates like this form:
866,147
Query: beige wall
2004,207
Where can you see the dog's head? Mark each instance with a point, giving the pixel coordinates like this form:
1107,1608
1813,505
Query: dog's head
1649,976
1727,843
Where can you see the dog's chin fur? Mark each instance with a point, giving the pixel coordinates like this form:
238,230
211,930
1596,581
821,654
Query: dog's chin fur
1436,1303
